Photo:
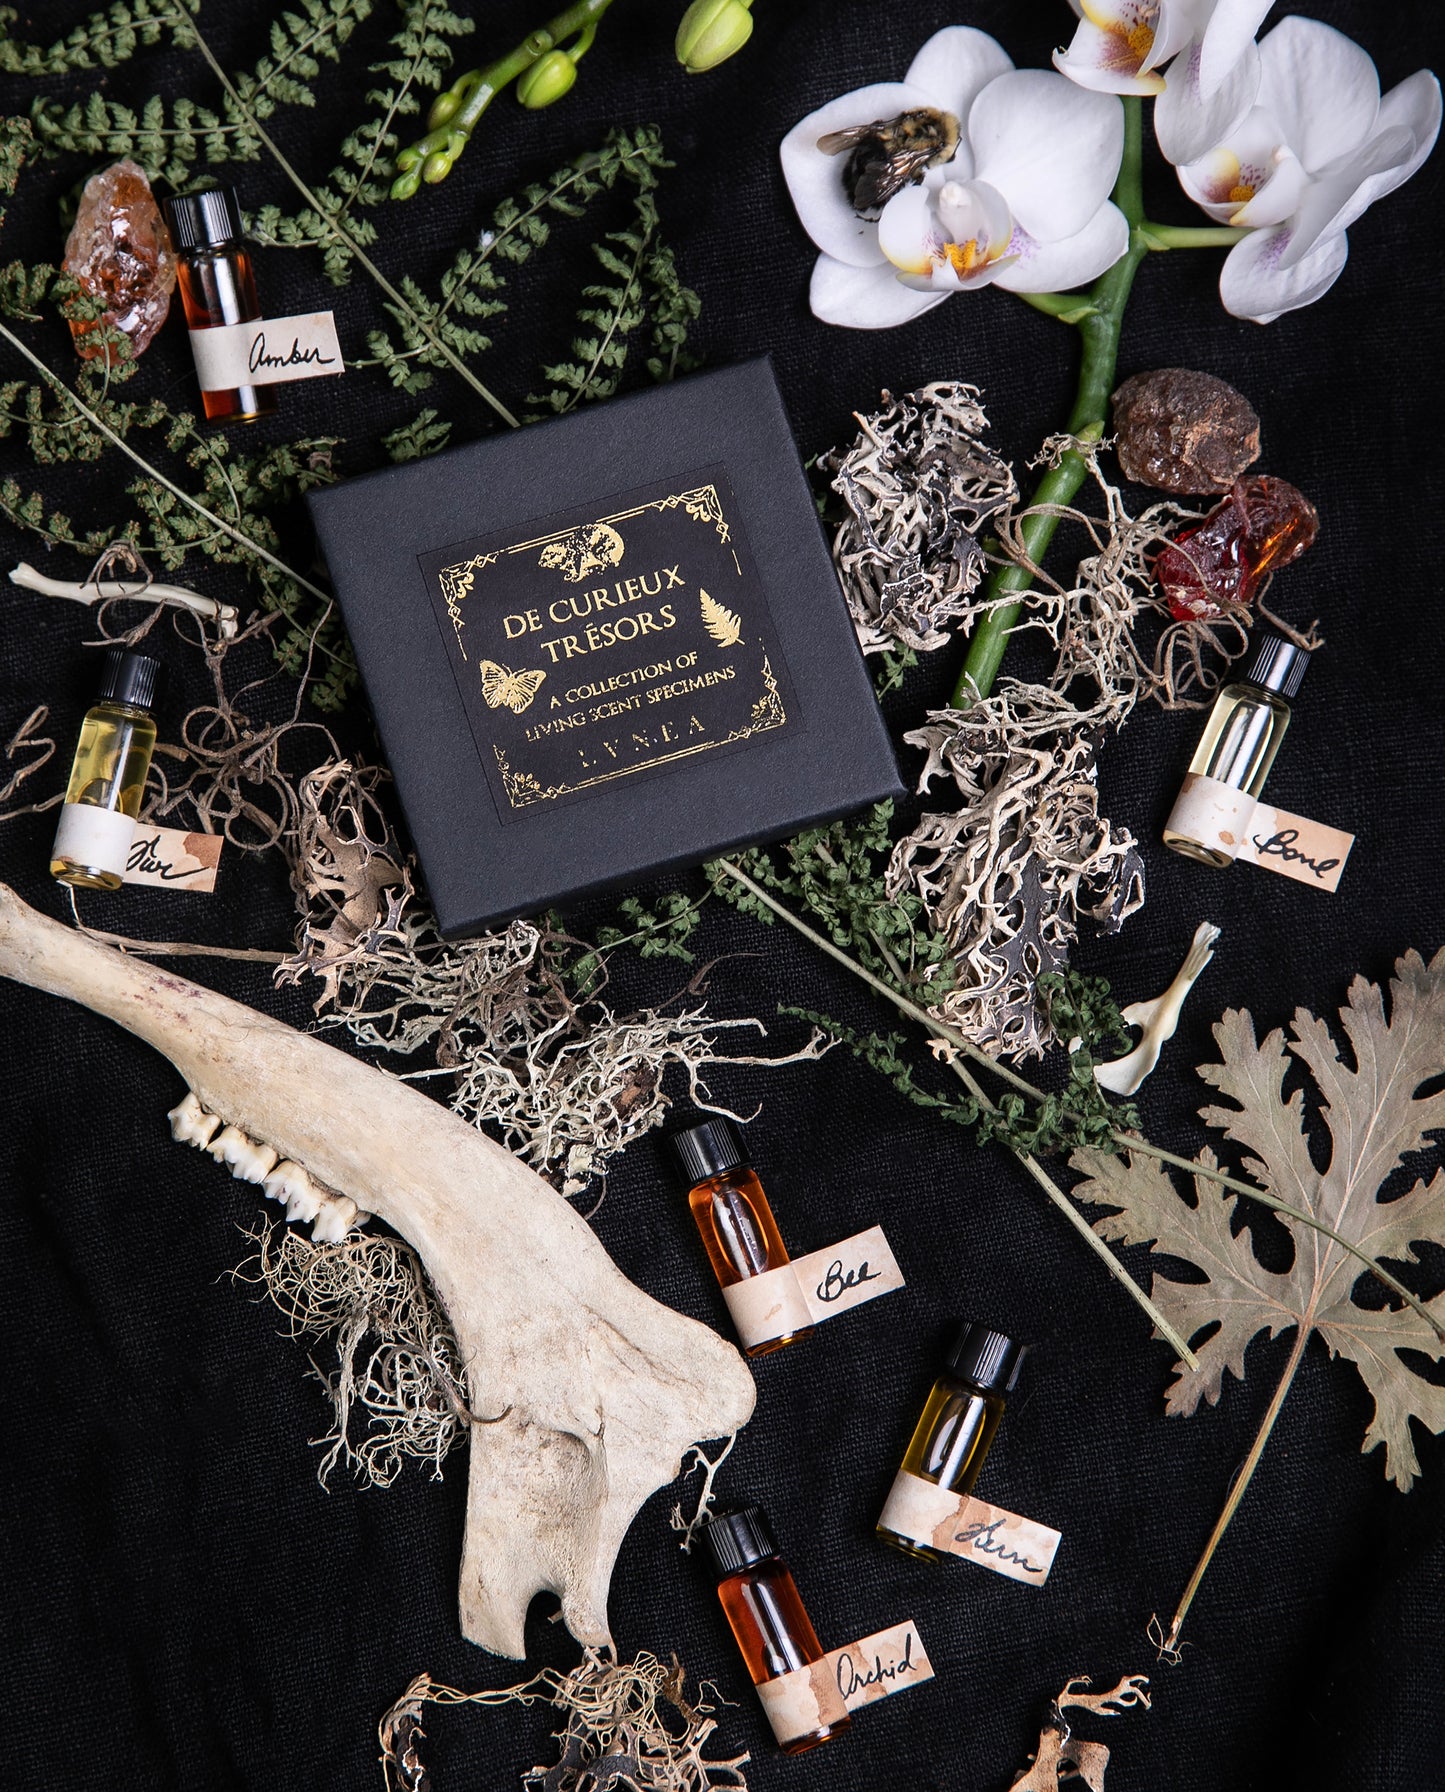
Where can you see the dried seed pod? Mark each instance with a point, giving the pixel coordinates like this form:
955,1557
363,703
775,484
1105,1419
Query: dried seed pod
1184,432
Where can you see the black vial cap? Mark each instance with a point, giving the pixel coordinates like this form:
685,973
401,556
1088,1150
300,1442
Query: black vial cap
988,1359
131,678
1278,665
739,1539
707,1149
208,220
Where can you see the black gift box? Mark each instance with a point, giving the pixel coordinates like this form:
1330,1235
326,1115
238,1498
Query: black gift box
605,645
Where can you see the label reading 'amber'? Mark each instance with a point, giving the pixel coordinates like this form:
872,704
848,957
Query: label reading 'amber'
172,859
592,647
267,351
929,1514
889,1661
803,1700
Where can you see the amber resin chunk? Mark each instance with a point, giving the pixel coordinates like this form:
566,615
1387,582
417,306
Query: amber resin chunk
1262,525
1184,432
120,251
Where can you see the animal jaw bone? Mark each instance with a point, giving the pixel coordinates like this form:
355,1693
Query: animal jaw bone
598,1388
333,1215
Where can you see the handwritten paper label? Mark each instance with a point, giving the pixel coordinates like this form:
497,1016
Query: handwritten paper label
803,1701
845,1275
887,1662
929,1514
1307,851
267,351
171,859
1212,812
811,1289
768,1306
94,837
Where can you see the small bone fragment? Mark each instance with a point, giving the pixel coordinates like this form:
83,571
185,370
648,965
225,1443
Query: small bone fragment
1158,1019
599,1389
103,590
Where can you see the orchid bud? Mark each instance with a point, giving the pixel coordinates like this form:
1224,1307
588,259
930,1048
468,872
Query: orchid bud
548,78
711,31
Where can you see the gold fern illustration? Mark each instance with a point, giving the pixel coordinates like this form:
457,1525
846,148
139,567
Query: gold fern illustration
725,628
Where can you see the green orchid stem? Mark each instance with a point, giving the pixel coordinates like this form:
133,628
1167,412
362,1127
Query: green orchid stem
78,404
1099,325
1099,317
1170,1644
1188,236
452,359
1029,1162
453,123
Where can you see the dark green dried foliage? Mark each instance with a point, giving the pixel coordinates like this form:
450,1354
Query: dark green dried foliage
884,1052
426,433
104,40
835,875
168,137
643,289
362,176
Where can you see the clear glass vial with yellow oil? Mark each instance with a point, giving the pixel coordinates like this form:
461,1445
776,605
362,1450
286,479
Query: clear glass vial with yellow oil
1210,818
954,1431
107,778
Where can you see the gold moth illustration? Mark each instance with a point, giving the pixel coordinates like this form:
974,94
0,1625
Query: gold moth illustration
582,552
514,689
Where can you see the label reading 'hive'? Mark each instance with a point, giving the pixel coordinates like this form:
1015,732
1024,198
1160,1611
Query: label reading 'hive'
596,647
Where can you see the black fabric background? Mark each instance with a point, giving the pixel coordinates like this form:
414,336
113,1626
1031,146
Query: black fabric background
185,1607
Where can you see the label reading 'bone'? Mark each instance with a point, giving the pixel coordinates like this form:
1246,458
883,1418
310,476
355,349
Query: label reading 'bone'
889,1661
802,1701
172,859
267,351
813,1288
1305,850
926,1513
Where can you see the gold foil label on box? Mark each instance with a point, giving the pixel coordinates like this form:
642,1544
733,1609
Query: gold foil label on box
1305,850
845,1275
889,1661
618,643
803,1700
267,351
929,1514
172,859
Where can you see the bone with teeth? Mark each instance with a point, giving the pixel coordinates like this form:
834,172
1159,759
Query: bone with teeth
334,1215
598,1388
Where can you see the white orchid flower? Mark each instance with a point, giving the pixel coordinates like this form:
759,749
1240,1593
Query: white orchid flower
1022,203
1212,72
1318,148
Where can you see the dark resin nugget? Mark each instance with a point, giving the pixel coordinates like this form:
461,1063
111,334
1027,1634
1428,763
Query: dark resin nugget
1262,525
1183,432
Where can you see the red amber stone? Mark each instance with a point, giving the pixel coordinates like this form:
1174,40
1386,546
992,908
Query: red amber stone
1262,525
119,249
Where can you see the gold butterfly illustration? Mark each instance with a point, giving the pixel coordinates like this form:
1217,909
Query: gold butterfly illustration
515,689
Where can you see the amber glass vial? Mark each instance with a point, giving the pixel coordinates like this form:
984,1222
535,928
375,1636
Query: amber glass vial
107,776
732,1212
775,1634
958,1421
217,287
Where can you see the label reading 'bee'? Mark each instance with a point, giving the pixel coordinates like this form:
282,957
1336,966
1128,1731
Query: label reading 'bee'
592,648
